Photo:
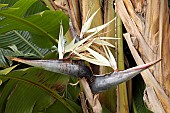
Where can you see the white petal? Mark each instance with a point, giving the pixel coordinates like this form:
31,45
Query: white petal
87,24
112,59
102,42
99,28
61,43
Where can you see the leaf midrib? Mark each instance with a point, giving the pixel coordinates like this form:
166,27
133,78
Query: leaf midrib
28,43
34,26
41,86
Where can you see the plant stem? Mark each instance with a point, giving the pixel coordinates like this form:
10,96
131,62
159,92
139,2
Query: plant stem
122,91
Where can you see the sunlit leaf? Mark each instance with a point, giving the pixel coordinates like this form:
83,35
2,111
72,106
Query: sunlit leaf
3,5
33,84
15,49
6,52
7,70
22,39
35,24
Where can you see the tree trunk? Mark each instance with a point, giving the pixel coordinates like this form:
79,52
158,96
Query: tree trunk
148,22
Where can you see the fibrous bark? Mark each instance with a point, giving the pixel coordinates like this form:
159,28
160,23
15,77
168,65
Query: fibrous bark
148,22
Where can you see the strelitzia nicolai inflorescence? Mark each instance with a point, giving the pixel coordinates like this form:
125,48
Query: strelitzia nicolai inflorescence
73,68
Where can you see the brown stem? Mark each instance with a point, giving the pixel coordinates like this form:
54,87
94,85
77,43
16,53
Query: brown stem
83,103
73,16
54,5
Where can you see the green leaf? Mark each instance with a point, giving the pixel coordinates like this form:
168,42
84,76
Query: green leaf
22,38
51,55
37,7
33,85
58,107
9,2
42,103
3,61
6,93
21,5
44,26
3,5
7,70
105,110
138,89
75,106
10,52
72,91
27,99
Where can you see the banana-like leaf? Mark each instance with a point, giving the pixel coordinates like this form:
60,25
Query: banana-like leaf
3,5
58,107
32,90
11,51
22,38
7,70
43,26
138,90
6,52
